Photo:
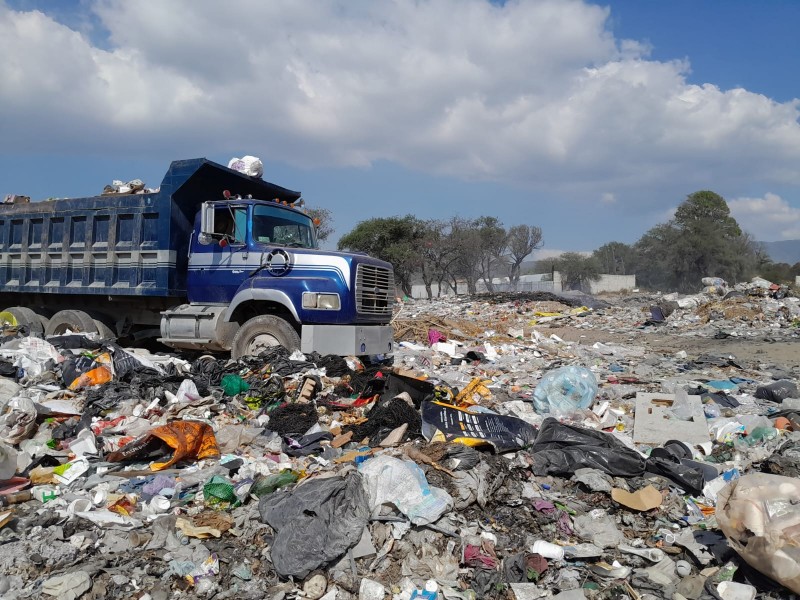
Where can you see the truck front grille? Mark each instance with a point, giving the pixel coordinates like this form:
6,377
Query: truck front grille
374,290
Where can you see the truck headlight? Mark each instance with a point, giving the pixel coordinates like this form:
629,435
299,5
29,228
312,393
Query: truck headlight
316,300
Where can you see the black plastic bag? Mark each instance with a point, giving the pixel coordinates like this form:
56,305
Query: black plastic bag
561,449
778,391
315,523
420,391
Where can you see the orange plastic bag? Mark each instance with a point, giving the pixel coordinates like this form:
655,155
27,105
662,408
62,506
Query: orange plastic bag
102,373
191,440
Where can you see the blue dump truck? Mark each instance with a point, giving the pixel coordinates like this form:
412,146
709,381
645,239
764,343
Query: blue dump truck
215,260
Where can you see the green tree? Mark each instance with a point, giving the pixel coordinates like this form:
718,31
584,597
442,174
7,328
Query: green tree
615,258
522,241
577,270
396,240
466,241
493,241
703,240
653,257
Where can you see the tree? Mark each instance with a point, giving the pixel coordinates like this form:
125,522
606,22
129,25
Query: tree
493,241
653,257
577,270
465,240
323,220
396,240
615,258
703,240
522,241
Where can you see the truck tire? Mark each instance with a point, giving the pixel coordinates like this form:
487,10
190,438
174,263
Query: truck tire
74,320
260,333
22,315
104,331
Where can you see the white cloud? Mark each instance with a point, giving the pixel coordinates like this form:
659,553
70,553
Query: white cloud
608,198
769,219
534,93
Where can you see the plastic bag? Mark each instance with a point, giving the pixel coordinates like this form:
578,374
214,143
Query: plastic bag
681,407
447,423
249,165
714,282
778,391
315,523
561,449
402,483
565,390
191,440
759,516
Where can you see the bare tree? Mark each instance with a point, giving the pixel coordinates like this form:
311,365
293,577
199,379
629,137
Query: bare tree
522,241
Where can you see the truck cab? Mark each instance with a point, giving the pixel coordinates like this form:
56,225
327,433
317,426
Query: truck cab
257,278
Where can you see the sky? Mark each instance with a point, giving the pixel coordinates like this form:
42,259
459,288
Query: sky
592,120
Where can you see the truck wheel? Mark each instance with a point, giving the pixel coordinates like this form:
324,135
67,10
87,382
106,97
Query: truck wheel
105,332
76,321
21,315
260,333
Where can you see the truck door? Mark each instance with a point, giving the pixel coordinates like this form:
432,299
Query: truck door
217,270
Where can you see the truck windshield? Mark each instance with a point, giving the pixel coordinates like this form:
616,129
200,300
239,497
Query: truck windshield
272,225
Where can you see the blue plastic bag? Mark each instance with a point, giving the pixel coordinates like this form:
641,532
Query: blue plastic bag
565,390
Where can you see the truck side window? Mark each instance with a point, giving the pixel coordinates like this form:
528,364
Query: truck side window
232,227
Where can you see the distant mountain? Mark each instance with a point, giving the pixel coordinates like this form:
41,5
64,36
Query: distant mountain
787,251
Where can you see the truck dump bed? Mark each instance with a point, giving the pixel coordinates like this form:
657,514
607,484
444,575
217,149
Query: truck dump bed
118,244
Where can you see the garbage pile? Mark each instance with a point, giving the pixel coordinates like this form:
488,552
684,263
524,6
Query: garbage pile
490,457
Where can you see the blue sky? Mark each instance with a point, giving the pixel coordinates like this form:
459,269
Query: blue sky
591,120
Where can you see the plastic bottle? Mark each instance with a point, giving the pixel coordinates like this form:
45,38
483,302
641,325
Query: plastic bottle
266,485
761,434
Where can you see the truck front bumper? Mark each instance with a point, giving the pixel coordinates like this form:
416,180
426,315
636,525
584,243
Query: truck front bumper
347,340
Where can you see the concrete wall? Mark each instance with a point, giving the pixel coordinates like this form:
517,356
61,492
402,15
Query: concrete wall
612,283
535,283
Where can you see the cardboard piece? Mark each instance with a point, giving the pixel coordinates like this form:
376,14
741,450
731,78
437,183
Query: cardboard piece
644,499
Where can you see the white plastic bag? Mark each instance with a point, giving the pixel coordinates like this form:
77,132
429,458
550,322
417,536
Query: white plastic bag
402,483
759,515
249,165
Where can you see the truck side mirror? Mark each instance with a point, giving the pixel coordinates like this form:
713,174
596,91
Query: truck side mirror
207,218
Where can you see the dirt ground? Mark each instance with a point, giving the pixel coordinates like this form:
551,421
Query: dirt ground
783,352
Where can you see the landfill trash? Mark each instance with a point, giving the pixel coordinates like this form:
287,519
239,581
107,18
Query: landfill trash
403,484
758,515
316,522
647,498
565,390
189,439
446,423
428,475
777,391
249,165
68,586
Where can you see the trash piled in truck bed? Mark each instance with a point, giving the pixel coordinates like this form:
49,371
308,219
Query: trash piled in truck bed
493,457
